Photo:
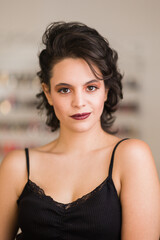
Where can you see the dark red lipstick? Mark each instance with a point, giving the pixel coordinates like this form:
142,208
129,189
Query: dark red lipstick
80,116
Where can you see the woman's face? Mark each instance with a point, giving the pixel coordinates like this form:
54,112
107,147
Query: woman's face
76,90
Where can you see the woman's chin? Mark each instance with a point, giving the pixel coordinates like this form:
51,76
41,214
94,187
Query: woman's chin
80,128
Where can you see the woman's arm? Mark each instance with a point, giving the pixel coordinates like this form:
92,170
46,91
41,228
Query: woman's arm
140,192
10,184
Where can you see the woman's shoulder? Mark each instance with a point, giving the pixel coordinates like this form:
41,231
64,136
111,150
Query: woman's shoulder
135,156
134,148
139,194
13,169
14,160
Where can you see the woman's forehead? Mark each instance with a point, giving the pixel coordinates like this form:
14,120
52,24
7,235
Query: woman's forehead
74,69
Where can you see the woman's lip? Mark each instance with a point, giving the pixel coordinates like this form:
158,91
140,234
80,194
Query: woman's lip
80,116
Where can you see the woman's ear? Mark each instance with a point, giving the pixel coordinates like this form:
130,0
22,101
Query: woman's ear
47,93
106,94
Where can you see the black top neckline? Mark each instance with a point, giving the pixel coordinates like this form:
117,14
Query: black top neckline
40,193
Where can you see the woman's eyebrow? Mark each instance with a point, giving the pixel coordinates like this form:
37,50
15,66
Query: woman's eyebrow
69,85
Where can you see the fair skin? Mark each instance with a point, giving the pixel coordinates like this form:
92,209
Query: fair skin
134,172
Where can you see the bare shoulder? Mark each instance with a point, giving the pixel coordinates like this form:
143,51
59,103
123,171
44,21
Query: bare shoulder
134,145
13,168
14,160
135,154
140,192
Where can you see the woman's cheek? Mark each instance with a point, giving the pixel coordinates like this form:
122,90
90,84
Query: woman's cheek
60,107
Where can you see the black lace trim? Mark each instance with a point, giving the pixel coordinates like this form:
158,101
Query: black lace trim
33,187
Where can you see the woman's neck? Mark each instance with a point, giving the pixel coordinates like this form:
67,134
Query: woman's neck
81,142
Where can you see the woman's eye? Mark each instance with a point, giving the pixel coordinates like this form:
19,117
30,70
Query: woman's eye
64,90
92,88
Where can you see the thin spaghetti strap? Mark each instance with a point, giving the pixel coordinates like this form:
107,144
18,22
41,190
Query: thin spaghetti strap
112,157
27,160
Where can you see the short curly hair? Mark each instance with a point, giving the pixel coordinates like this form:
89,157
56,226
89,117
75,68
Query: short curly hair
77,40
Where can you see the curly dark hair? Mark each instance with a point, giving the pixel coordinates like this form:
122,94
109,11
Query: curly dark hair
77,40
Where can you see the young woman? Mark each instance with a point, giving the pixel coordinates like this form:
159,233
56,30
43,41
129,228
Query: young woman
88,183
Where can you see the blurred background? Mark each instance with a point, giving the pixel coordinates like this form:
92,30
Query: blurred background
132,28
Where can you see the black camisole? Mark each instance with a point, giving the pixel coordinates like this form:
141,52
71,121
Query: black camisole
96,216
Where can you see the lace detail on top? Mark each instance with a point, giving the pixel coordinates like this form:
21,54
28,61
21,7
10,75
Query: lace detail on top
33,187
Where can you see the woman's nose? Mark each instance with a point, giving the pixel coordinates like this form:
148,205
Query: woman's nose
78,100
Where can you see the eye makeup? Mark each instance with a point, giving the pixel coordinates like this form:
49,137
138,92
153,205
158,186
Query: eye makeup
91,88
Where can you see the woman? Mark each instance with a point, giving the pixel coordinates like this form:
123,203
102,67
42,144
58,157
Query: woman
88,183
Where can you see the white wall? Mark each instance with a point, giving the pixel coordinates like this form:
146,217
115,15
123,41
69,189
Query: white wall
132,27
